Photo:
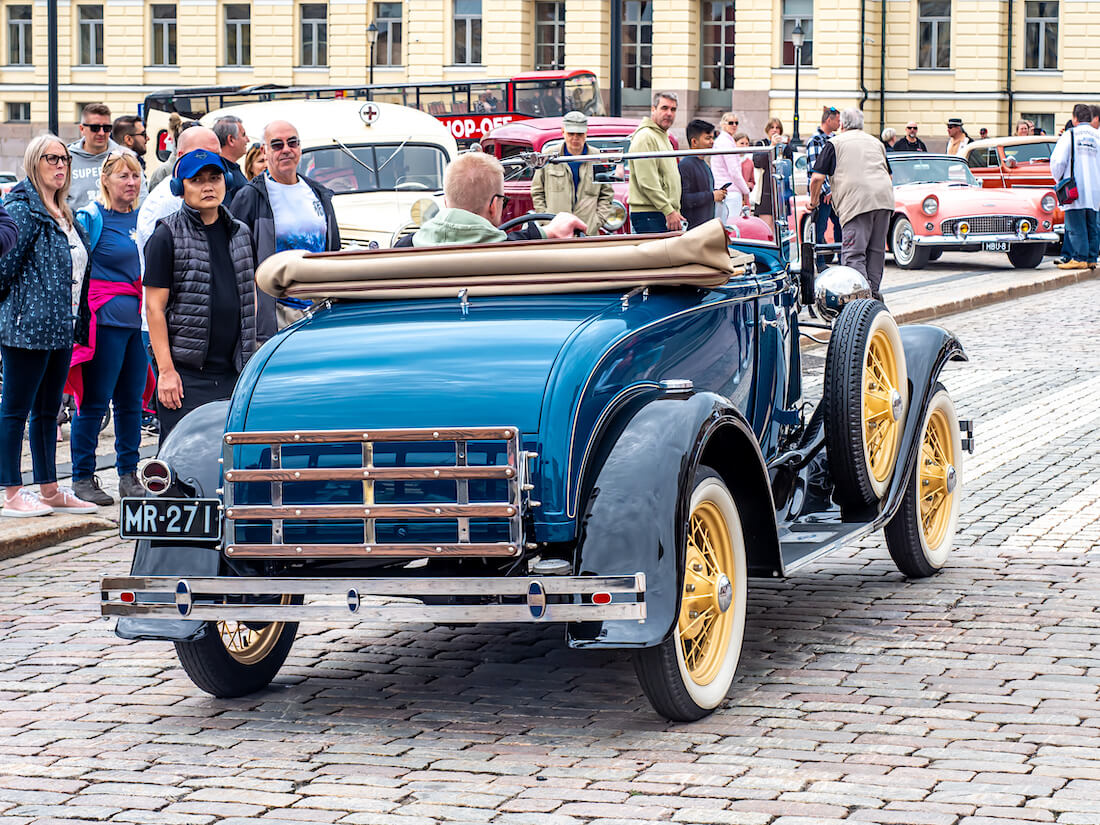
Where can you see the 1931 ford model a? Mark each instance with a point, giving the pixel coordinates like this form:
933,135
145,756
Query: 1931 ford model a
603,432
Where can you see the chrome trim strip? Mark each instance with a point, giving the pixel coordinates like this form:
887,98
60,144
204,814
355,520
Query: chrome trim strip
966,240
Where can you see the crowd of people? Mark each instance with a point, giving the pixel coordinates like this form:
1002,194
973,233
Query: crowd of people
137,294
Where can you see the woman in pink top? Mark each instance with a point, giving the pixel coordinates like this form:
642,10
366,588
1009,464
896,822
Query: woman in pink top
727,168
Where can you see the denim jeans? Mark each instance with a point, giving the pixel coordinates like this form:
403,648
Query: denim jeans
647,223
824,214
1082,238
116,374
33,382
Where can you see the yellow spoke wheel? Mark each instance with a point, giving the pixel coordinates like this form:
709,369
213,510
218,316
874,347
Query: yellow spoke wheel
234,658
921,533
866,402
689,673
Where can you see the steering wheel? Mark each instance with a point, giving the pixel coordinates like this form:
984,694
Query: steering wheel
522,219
404,185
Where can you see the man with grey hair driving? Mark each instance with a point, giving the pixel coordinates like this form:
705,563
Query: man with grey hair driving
863,195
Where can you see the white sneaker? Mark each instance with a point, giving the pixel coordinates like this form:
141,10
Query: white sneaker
24,504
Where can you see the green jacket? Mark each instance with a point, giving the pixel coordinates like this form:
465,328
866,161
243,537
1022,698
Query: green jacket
654,182
457,226
552,191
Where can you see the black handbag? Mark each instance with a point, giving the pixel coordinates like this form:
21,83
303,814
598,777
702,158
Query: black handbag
1066,189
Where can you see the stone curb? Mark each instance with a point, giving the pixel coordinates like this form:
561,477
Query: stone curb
19,536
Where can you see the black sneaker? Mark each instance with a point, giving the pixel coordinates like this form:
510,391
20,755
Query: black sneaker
89,490
150,425
129,486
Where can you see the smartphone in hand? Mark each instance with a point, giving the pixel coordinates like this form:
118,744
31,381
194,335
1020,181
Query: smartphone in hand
725,185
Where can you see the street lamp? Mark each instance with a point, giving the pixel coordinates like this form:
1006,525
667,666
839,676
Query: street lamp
372,38
797,39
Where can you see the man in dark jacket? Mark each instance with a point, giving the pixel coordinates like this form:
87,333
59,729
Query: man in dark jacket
910,143
234,143
284,210
698,195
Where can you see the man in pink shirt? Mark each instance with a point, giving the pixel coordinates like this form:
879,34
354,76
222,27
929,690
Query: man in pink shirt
727,168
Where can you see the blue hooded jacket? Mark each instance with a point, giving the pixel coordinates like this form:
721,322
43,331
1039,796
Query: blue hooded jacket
36,312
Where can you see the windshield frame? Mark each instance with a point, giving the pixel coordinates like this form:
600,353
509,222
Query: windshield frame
896,163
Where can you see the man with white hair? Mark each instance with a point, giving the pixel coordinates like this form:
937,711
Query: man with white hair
473,191
863,195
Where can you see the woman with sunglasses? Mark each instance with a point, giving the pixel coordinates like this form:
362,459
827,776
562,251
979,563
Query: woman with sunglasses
729,169
44,279
112,367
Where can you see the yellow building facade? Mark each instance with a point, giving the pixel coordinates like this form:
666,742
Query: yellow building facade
986,61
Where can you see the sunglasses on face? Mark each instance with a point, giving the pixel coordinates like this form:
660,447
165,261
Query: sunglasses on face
57,160
97,127
277,144
139,134
504,200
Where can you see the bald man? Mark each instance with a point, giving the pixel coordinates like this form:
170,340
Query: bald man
473,191
285,210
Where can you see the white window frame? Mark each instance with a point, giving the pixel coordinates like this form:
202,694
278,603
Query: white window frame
790,20
243,26
940,24
24,112
94,28
388,26
165,33
635,17
20,37
556,30
1042,24
469,41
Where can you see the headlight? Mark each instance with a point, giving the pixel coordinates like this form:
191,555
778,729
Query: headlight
930,205
1048,202
617,217
422,211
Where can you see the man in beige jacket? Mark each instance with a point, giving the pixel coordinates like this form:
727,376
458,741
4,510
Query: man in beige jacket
572,187
863,195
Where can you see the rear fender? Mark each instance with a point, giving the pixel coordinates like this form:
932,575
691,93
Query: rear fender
192,450
636,514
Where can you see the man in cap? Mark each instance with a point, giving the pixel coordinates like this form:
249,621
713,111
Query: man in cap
957,136
910,142
572,187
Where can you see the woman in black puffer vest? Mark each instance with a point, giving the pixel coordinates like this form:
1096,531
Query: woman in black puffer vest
200,293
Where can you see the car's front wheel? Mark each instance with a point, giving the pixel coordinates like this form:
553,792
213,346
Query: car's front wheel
689,673
237,658
907,254
921,533
1026,255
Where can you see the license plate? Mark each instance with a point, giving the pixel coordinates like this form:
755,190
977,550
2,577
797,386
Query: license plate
194,519
995,246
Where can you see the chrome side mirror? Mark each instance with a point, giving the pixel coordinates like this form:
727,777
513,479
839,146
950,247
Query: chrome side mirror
835,287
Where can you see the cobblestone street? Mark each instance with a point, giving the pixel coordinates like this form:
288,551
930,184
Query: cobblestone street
969,698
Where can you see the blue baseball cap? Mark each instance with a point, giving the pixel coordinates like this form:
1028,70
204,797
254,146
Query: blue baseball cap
195,161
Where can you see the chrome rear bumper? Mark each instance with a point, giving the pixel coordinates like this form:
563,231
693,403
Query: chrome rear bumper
520,599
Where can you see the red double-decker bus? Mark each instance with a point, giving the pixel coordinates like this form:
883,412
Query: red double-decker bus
470,108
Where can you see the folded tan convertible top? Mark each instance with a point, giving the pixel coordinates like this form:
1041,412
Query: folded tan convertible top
699,257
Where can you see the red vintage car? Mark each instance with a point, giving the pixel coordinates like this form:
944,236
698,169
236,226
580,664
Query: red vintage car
1007,162
605,134
940,206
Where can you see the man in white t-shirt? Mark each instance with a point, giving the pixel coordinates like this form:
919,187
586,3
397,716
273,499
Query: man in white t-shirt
284,210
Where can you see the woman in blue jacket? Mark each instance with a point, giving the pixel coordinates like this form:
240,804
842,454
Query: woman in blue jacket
41,280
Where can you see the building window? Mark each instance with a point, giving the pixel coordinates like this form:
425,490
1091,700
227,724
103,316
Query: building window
19,36
314,34
238,34
637,44
934,26
90,21
718,44
798,13
467,31
19,112
1041,36
387,49
164,35
550,35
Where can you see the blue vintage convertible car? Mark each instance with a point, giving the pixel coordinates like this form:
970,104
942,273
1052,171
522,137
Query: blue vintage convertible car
606,433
